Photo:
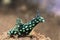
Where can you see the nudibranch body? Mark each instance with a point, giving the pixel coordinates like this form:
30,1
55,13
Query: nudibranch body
22,29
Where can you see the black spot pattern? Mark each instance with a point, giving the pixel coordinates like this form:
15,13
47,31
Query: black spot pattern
21,29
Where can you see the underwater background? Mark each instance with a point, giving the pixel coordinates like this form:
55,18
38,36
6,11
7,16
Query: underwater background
49,9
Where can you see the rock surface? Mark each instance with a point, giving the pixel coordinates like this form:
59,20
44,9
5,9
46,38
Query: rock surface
4,36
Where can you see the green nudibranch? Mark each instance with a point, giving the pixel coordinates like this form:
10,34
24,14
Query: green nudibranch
22,29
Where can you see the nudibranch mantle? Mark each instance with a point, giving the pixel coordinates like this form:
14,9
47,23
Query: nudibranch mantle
22,29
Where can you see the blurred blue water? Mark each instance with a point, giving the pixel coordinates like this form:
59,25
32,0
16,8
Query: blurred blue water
52,6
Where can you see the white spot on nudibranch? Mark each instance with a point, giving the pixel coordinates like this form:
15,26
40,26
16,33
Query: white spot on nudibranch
20,30
18,26
30,23
41,17
30,26
19,33
37,21
27,29
33,24
23,28
43,20
26,26
15,32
